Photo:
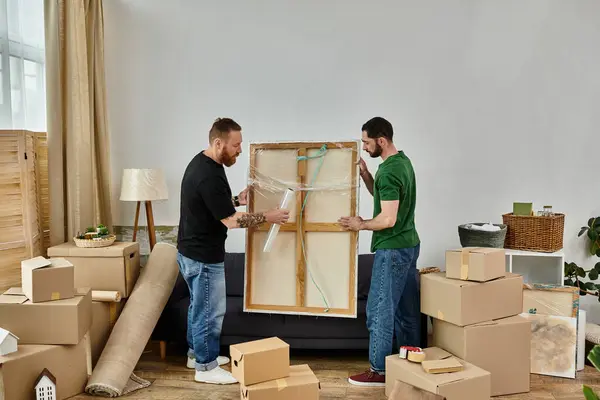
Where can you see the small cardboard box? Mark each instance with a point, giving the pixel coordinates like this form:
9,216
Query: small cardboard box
465,303
54,322
47,279
114,268
19,371
477,264
104,317
301,384
260,361
471,383
502,347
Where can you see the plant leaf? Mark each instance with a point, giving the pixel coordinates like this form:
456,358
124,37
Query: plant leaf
582,293
594,356
593,275
590,285
580,272
598,252
582,231
593,235
591,222
589,393
569,282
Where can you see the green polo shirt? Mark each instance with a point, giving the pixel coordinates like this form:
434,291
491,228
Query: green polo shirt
395,180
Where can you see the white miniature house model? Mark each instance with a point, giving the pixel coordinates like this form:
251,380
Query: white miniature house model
45,386
8,342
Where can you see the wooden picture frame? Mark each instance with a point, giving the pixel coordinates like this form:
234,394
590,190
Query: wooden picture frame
313,265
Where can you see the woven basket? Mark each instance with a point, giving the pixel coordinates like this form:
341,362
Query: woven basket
533,233
477,238
95,243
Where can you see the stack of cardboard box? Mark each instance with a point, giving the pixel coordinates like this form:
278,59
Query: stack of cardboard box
50,318
113,268
57,324
475,307
262,368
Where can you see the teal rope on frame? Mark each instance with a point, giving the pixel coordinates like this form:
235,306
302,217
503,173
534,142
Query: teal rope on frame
321,156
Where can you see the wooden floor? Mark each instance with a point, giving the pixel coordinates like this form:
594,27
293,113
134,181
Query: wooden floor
171,380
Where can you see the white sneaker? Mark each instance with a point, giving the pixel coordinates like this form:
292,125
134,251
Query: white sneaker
217,376
222,360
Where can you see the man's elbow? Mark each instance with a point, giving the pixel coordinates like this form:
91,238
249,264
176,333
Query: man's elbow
390,221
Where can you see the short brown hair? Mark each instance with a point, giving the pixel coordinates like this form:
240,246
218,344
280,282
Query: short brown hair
221,128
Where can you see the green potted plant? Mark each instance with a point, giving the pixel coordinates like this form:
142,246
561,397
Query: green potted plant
594,357
574,273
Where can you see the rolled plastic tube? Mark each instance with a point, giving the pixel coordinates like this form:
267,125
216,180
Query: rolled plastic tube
287,197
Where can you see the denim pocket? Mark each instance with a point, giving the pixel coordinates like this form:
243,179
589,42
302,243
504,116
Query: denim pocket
188,267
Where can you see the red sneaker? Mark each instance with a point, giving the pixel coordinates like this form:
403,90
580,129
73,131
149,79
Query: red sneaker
368,378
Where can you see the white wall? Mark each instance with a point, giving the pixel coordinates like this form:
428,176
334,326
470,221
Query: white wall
495,102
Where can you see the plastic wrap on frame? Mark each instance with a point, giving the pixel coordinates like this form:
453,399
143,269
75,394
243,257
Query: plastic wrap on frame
551,299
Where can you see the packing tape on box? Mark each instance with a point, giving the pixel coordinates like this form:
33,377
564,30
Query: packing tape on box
55,296
464,264
281,384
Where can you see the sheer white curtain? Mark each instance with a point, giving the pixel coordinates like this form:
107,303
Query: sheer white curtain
22,65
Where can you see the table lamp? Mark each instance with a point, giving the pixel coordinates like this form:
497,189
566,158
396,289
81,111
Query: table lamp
145,185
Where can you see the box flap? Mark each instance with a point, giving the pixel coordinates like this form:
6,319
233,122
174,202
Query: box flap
15,291
478,250
69,249
35,263
59,262
436,353
299,375
441,277
15,295
12,299
258,346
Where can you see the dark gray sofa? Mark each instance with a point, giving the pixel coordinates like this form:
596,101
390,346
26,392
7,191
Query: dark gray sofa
301,332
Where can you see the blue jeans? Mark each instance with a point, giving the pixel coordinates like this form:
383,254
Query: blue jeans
393,304
206,283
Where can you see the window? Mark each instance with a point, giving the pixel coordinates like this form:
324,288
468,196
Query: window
22,65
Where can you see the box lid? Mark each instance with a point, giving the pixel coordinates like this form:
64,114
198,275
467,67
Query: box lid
299,375
413,373
441,277
35,263
69,249
478,250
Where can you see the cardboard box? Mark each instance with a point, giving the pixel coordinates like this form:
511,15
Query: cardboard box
477,264
68,364
465,303
301,384
45,279
114,268
260,361
471,383
404,391
104,317
53,322
502,347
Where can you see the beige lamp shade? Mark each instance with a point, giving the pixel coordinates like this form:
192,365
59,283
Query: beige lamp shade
143,185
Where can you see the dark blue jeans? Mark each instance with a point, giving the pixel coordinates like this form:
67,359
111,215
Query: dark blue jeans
393,305
206,283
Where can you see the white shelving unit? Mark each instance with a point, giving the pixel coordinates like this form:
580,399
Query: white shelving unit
537,267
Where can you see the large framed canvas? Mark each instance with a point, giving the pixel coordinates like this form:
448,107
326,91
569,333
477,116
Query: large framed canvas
310,267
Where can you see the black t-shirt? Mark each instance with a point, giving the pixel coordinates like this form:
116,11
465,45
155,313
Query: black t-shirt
205,201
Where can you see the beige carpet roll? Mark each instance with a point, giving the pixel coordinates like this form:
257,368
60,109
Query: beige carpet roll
113,375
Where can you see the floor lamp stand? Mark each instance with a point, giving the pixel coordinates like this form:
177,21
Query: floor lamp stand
149,218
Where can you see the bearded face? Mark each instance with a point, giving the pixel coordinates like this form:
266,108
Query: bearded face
230,148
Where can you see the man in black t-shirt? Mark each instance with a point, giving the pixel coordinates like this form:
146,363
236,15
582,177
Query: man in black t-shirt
207,211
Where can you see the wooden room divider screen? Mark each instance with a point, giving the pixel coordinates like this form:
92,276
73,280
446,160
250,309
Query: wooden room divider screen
312,265
24,208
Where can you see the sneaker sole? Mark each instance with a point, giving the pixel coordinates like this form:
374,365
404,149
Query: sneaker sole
191,364
366,384
216,383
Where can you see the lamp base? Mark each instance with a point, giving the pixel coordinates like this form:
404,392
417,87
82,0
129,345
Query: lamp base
149,218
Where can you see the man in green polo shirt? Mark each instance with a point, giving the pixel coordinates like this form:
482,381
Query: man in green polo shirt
393,306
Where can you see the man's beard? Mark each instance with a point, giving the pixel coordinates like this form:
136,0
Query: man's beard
228,160
377,152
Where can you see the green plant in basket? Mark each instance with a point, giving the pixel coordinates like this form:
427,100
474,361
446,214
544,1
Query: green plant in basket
574,273
594,357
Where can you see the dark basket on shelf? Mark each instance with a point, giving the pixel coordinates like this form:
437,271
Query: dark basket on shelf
477,238
534,233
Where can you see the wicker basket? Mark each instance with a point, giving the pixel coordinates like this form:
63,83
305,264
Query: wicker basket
477,238
95,243
532,233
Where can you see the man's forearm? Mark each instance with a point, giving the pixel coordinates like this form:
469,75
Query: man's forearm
368,180
244,220
378,223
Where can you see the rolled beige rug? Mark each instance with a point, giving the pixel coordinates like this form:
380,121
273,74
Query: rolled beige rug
113,375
